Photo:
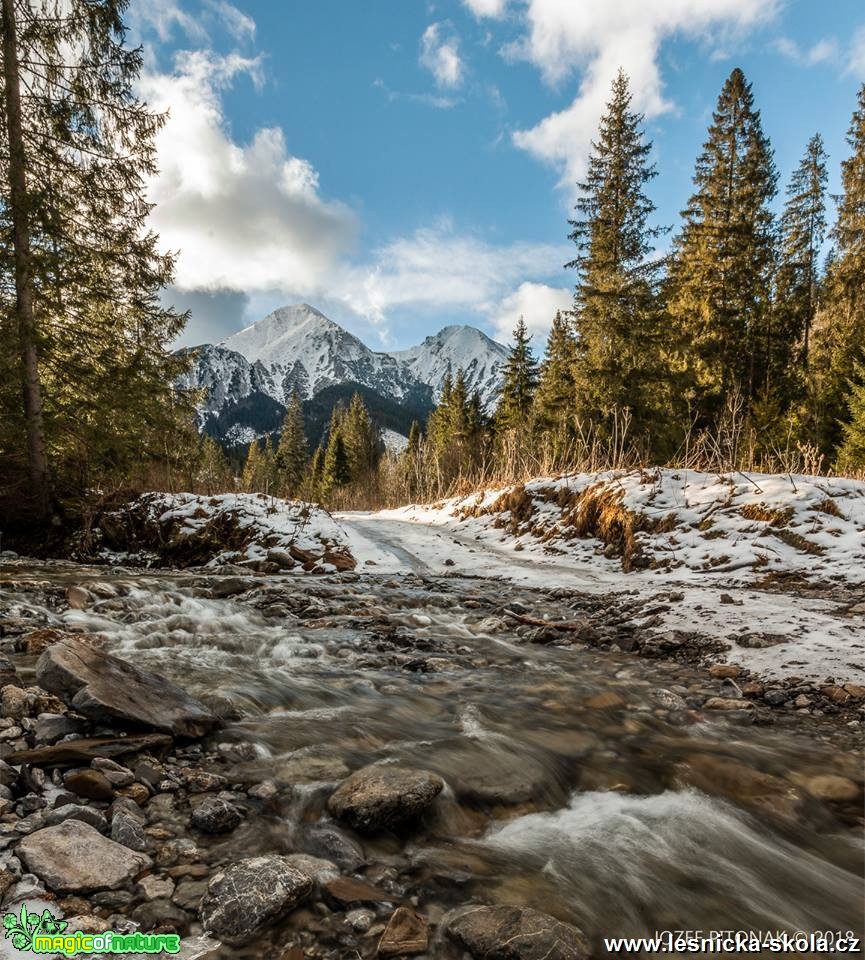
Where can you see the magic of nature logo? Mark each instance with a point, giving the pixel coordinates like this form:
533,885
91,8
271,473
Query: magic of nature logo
42,933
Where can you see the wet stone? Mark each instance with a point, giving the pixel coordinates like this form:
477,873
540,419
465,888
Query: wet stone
249,895
382,797
89,783
128,831
215,815
73,857
515,933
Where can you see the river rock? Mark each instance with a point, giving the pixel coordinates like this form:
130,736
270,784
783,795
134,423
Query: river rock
380,797
13,702
84,750
73,857
75,811
249,895
127,831
725,777
106,688
90,784
51,727
406,934
215,815
515,933
831,787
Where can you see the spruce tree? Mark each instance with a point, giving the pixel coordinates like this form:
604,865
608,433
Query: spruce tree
292,453
720,287
839,328
803,229
213,471
556,394
519,381
415,436
76,150
618,353
361,438
336,471
252,468
851,456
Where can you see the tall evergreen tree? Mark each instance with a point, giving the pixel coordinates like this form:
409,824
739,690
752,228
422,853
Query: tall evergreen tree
555,398
720,290
618,350
839,328
82,273
361,439
851,456
519,382
336,471
292,453
213,473
803,229
252,468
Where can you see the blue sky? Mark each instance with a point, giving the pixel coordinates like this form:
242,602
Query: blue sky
406,164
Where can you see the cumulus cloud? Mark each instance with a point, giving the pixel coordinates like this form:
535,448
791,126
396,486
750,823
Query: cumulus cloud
822,51
595,39
440,268
439,53
856,59
242,216
536,303
236,22
487,8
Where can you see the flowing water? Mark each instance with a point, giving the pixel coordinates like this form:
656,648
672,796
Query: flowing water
581,782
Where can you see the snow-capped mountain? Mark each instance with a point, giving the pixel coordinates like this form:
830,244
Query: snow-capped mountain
249,377
305,351
481,359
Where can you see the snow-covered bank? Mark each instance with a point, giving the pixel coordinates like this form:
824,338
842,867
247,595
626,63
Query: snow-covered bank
738,525
703,548
266,533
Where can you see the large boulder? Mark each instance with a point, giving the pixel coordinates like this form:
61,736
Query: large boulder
73,857
249,895
106,688
515,933
380,797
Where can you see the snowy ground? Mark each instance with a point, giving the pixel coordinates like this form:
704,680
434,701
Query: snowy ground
756,525
229,528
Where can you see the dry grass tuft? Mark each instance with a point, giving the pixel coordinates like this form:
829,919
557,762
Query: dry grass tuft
759,511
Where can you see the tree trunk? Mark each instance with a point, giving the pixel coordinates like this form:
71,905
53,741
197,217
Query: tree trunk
18,204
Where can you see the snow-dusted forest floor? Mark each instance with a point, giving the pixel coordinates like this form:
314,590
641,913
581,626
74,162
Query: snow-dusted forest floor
772,564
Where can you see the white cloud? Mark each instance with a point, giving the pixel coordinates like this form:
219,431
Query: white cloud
822,51
537,304
163,16
242,216
439,53
427,99
596,39
487,8
236,22
856,60
438,268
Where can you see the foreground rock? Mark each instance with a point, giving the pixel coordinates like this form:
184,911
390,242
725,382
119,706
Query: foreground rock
379,797
515,933
73,857
90,748
106,688
406,934
248,896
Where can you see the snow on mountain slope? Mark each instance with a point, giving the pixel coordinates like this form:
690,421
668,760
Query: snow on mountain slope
305,351
481,359
226,378
249,377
